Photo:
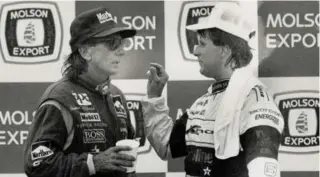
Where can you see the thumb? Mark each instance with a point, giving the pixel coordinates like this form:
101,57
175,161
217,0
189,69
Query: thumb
153,74
149,77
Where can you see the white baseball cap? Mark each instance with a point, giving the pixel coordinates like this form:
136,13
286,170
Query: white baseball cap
229,17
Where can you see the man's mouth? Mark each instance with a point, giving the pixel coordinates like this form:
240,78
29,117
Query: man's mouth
115,62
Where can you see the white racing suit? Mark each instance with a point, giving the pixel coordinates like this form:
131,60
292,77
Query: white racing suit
261,126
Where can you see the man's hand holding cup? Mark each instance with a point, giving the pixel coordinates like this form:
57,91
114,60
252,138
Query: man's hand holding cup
133,152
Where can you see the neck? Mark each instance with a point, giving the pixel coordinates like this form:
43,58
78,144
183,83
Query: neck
92,80
226,74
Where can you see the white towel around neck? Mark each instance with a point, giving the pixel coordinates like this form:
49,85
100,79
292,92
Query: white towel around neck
226,128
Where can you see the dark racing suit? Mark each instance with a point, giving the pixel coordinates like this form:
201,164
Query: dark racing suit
73,122
261,124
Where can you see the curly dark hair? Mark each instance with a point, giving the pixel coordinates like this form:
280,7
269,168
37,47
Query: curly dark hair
74,65
240,49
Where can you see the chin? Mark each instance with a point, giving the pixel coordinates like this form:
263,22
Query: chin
111,72
206,74
202,72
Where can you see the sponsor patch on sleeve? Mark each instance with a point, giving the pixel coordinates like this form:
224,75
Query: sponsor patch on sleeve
263,114
41,150
270,169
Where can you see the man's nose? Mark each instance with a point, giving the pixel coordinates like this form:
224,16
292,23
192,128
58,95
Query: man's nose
120,51
196,50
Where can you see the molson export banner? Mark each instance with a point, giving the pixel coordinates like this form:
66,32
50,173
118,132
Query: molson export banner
34,39
291,71
147,17
292,32
17,109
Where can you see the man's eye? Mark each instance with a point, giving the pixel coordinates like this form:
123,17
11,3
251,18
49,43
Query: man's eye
202,43
113,44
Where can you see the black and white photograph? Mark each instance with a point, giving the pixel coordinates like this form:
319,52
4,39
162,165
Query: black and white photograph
159,88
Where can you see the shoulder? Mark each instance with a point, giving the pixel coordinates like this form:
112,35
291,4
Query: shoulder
60,90
60,86
260,94
259,109
202,100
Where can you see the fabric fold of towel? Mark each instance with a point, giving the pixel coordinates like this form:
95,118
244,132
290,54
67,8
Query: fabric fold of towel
226,128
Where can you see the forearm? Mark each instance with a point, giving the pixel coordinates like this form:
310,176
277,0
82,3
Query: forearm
158,125
44,154
71,165
261,148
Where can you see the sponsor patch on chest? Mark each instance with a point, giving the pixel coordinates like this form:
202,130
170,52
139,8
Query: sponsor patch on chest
94,136
90,117
119,106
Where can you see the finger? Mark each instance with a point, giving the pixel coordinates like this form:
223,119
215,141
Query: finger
125,157
117,168
123,163
120,148
154,75
148,73
158,67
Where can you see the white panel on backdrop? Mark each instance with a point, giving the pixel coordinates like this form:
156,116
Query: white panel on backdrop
148,161
34,39
177,66
298,153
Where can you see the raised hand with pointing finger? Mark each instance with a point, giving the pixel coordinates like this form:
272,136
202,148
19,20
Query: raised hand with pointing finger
157,79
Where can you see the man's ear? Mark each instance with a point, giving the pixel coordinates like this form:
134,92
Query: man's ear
85,52
226,53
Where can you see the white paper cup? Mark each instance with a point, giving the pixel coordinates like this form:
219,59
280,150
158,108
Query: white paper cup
133,152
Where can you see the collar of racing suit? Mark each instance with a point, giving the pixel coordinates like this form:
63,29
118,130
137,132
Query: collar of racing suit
219,86
101,89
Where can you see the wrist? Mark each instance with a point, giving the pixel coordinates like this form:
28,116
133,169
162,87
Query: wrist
95,159
153,96
91,165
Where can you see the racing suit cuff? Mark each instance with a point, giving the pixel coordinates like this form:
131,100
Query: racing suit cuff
157,103
263,167
90,164
157,124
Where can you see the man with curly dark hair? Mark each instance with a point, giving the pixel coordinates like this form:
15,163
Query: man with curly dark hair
81,117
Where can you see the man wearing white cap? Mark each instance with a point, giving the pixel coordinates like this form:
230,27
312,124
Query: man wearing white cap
233,130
